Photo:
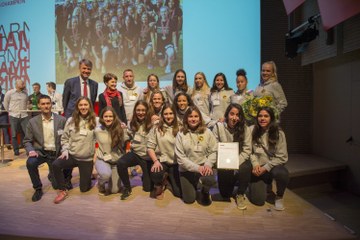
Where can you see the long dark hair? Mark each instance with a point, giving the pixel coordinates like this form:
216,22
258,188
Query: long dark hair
76,116
239,129
184,87
175,124
226,85
273,130
115,129
135,123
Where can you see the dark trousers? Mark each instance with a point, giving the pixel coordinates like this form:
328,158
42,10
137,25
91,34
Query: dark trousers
189,182
258,184
131,159
228,178
32,165
4,118
174,178
85,171
18,125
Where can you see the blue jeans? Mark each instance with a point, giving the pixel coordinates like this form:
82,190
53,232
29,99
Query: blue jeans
18,125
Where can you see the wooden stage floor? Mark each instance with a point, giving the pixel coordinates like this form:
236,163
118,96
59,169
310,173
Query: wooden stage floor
90,216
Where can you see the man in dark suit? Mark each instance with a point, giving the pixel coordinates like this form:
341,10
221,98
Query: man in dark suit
79,86
42,144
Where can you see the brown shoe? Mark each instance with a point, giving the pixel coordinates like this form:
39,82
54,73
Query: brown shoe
159,192
62,195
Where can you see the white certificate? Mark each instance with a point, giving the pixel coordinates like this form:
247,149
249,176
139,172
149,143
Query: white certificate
228,155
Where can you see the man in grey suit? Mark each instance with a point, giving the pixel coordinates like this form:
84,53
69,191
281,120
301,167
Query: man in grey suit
42,144
79,86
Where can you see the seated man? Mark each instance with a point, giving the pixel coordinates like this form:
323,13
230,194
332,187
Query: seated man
42,144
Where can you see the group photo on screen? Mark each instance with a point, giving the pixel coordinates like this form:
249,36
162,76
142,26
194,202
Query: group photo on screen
144,35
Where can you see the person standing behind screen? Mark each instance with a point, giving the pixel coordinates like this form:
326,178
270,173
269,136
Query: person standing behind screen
42,144
179,84
77,148
234,129
160,148
79,86
268,159
195,150
56,98
112,97
219,97
269,86
16,102
242,94
111,139
4,119
131,92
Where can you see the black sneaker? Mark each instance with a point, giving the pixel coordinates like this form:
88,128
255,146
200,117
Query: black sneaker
205,199
68,186
126,194
37,195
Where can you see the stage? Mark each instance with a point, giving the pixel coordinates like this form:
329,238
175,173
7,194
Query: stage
90,216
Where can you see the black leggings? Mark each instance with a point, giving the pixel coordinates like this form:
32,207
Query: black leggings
228,178
258,184
174,178
131,159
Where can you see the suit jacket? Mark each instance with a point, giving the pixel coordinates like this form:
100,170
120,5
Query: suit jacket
34,137
72,91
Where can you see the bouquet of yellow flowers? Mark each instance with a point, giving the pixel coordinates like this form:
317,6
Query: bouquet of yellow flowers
252,106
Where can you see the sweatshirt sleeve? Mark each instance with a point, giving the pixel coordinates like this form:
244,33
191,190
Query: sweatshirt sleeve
181,156
212,149
281,154
246,150
65,143
279,95
151,143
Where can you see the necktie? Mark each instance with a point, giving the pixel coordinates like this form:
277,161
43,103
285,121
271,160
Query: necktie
85,89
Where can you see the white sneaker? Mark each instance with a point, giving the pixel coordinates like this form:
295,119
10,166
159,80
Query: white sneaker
279,204
240,202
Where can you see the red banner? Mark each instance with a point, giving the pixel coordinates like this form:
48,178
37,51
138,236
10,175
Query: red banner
334,12
291,5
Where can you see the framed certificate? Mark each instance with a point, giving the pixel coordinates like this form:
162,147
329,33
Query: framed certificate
228,155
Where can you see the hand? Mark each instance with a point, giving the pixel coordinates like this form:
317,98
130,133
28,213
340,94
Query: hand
33,154
64,155
154,118
156,167
145,91
222,119
123,125
205,170
258,170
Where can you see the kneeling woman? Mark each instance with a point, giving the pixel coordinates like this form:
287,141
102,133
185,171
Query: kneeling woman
195,149
110,137
140,126
78,133
160,147
234,129
268,158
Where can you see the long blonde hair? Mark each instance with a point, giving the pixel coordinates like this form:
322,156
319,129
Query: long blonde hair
205,89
